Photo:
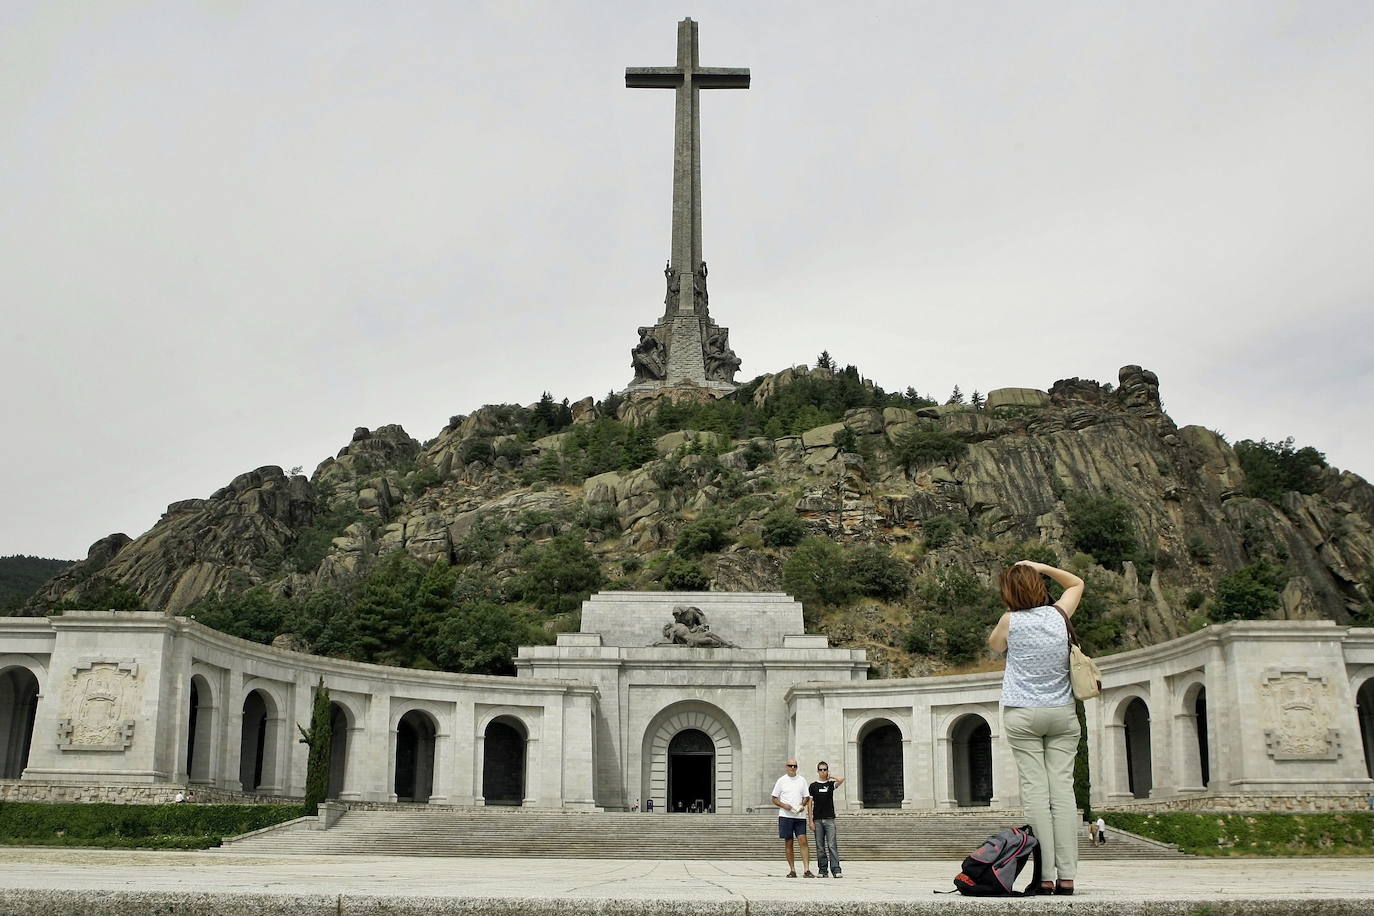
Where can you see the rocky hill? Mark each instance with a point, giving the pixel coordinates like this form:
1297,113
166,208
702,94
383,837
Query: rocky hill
886,513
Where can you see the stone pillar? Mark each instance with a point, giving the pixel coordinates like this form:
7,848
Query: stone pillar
441,761
1162,739
232,731
922,764
1118,786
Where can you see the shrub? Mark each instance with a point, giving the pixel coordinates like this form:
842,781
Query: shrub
919,447
938,530
319,739
782,528
1274,468
1268,834
1102,526
171,826
817,573
960,612
708,534
683,575
1199,550
1250,592
313,541
475,450
755,454
421,480
877,573
558,575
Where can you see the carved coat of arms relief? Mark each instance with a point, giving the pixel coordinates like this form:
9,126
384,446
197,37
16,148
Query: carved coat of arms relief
1298,710
99,703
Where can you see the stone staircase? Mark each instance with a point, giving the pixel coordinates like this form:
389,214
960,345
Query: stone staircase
406,830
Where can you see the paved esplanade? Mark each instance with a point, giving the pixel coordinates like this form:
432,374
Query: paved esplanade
685,345
73,882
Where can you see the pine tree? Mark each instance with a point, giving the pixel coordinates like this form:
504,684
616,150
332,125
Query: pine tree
319,738
977,399
824,361
956,396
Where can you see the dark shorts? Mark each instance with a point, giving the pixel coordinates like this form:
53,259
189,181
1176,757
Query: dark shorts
789,827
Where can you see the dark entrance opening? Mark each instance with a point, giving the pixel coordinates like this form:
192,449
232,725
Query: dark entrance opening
971,748
691,771
191,730
503,764
414,757
253,741
1364,710
1200,712
18,708
1139,772
880,766
338,749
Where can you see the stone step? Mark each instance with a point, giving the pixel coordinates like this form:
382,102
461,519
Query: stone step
513,832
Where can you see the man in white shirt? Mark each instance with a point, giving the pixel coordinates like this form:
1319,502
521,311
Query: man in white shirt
790,796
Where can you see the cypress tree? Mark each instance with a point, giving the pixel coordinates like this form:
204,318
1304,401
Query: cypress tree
319,738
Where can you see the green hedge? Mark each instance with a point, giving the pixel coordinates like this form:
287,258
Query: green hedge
1254,834
169,826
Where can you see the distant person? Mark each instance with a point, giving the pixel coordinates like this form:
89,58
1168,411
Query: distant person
1101,832
1038,710
789,794
649,805
1092,832
179,797
822,810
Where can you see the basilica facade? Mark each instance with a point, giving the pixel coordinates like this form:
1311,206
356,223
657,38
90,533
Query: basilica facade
691,701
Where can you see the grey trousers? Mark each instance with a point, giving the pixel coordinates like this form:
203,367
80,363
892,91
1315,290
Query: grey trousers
1044,740
827,846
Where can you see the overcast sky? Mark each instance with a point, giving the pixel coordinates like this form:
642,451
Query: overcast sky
231,232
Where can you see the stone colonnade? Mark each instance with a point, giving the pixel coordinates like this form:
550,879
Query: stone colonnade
1248,713
144,698
1280,709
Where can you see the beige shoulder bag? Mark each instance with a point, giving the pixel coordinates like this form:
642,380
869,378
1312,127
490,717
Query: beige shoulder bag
1084,676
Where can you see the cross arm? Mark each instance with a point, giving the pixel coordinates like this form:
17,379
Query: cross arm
671,77
721,78
653,77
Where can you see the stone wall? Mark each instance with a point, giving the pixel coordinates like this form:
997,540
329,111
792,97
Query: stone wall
12,790
1229,804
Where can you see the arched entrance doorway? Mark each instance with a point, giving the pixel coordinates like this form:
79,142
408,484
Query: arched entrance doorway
503,762
691,771
338,749
673,767
257,742
970,747
1139,772
18,707
880,765
1364,709
415,735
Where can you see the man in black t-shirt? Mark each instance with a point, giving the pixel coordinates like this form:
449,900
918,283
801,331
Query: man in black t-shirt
822,814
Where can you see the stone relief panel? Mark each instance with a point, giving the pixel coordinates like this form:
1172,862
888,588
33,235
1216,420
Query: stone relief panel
1298,709
98,706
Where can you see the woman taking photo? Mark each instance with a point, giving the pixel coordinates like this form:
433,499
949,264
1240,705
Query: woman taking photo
1038,709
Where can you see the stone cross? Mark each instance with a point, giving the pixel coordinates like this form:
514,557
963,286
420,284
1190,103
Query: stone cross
686,268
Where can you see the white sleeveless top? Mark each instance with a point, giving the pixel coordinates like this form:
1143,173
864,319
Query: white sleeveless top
1037,659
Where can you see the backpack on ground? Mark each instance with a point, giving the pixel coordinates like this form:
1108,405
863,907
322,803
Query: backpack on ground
991,870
